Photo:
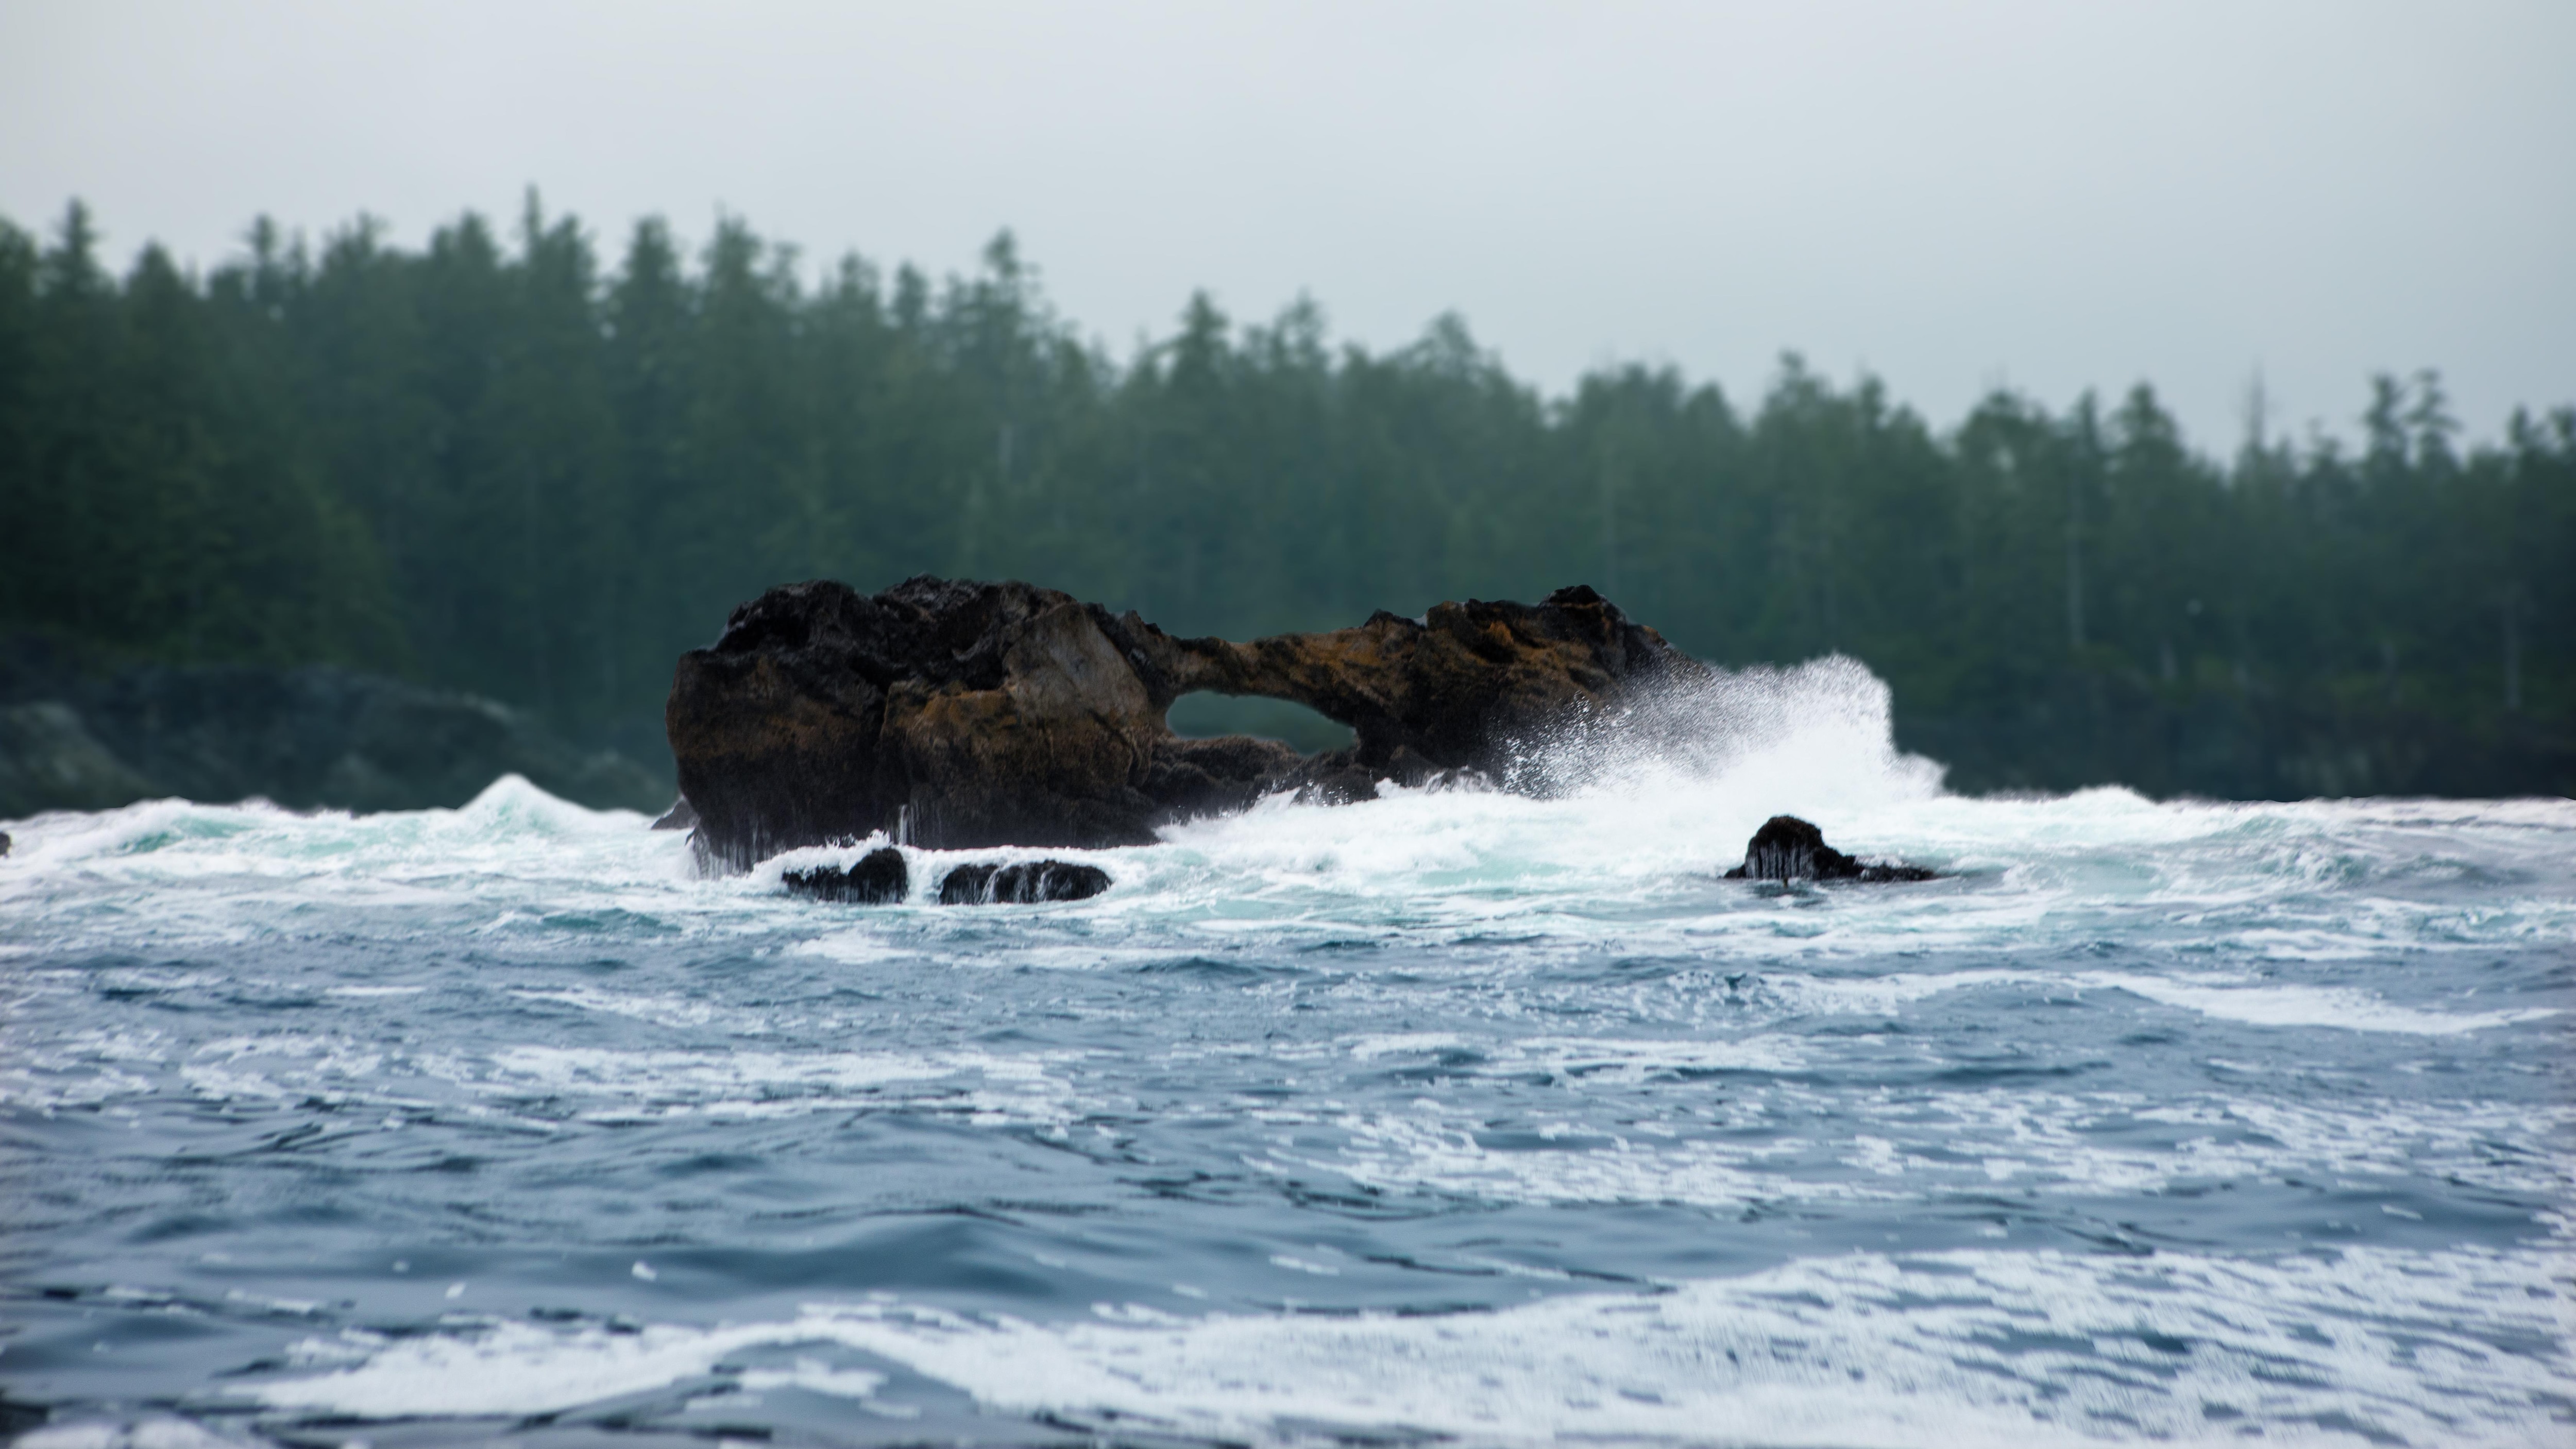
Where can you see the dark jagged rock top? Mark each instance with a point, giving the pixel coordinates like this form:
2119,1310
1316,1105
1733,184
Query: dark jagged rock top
1787,848
954,715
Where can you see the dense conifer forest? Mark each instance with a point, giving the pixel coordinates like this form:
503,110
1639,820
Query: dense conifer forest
505,464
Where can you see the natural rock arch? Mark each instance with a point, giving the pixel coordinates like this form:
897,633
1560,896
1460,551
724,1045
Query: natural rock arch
957,714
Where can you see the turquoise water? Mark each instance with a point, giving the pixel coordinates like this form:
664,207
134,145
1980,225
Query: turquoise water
1453,1117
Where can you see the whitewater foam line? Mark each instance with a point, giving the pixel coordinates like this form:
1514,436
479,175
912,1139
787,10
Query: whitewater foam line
541,1087
2226,997
1629,862
1763,1147
2456,1347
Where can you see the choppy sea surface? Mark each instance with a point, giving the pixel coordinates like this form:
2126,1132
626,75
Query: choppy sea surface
1454,1117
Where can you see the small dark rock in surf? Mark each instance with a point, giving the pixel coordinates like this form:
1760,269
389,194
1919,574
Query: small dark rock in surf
4,842
878,878
1024,884
681,816
1787,848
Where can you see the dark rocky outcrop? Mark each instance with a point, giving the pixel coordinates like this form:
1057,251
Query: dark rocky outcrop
75,734
1787,848
50,761
960,715
879,878
1026,883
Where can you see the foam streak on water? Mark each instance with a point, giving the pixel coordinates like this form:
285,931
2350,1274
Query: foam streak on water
1452,1114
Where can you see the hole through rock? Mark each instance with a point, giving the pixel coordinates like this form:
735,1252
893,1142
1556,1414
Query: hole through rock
1204,716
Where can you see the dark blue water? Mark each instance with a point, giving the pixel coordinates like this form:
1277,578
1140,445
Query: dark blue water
1448,1118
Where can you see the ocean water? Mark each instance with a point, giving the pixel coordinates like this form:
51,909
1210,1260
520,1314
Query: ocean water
1451,1118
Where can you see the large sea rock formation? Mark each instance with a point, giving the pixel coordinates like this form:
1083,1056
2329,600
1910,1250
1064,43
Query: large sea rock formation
955,714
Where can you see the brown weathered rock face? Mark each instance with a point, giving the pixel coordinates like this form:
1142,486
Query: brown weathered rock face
959,714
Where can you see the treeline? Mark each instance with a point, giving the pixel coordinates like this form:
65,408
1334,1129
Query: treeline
497,464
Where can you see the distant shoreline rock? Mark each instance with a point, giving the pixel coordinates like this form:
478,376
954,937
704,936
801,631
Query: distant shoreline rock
959,715
50,761
77,737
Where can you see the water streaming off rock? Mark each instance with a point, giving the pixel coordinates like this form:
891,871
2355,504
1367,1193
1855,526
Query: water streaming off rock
1449,1114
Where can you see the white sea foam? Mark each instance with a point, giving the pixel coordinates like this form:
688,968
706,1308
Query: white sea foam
2336,1006
2226,996
1956,1348
1763,1146
571,1084
634,1086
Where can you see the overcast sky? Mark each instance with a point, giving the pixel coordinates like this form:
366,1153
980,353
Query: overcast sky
2052,196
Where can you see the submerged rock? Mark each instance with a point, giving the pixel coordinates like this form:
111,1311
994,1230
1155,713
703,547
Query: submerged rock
1787,848
958,715
1027,883
879,878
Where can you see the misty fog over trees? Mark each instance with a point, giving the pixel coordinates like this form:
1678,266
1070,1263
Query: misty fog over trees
507,464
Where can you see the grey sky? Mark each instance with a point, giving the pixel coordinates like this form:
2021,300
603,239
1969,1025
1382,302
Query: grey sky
2050,195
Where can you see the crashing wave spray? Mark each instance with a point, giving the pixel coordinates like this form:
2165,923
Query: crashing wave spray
1809,735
